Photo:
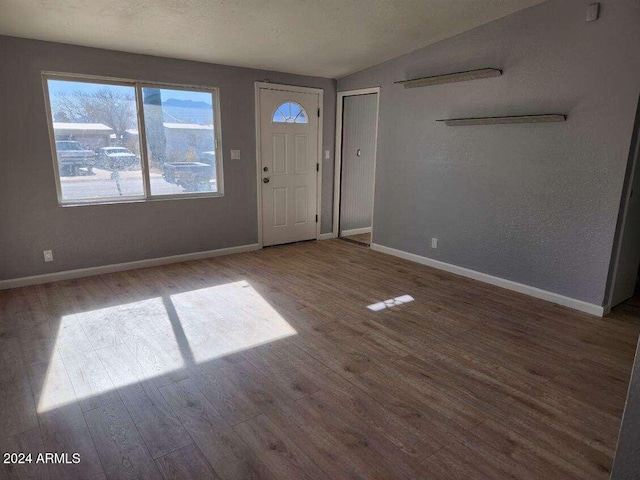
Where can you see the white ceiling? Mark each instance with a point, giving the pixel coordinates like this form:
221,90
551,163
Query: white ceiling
327,38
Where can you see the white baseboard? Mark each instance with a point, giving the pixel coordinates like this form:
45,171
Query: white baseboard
119,267
500,282
356,231
326,236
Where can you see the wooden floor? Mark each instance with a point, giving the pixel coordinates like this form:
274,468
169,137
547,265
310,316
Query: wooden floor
270,365
360,238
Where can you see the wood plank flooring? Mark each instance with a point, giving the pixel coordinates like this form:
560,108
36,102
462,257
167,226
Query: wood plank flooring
269,365
360,238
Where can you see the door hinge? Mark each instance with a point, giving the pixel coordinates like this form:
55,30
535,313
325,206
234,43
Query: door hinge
316,218
318,113
317,167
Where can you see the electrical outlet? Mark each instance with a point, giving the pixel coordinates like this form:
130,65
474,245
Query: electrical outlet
434,243
48,255
235,154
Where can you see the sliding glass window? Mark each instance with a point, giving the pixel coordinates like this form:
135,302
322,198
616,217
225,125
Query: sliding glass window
118,141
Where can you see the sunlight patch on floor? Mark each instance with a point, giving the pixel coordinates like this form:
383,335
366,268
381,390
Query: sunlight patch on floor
392,302
237,318
100,350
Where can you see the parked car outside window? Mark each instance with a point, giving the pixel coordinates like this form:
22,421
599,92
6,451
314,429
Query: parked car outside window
72,157
117,158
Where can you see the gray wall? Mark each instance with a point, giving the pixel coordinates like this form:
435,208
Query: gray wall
360,113
536,204
30,219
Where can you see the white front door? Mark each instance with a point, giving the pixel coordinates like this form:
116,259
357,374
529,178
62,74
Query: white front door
289,158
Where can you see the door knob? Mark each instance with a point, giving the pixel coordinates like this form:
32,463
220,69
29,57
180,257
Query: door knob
265,180
266,169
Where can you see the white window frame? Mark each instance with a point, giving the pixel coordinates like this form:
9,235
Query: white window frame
138,85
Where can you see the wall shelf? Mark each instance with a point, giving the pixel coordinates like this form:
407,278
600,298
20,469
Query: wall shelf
546,118
451,78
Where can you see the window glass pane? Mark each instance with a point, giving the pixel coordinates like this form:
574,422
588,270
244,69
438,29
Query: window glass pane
180,138
290,112
96,140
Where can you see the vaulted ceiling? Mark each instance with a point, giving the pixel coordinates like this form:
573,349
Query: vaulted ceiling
327,38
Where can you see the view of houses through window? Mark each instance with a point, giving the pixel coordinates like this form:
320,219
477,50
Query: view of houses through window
99,141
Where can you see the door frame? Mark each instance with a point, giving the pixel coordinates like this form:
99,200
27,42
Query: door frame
337,180
287,88
633,169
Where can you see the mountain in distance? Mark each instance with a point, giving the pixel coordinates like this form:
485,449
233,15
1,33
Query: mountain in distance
174,102
187,111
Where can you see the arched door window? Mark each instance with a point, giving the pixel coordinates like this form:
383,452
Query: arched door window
290,112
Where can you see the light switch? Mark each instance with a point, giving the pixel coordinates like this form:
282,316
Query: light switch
593,11
235,154
327,155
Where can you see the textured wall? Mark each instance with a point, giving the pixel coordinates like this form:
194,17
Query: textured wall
536,204
31,220
360,113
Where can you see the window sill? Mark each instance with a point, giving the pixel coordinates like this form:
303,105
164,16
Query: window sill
156,198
